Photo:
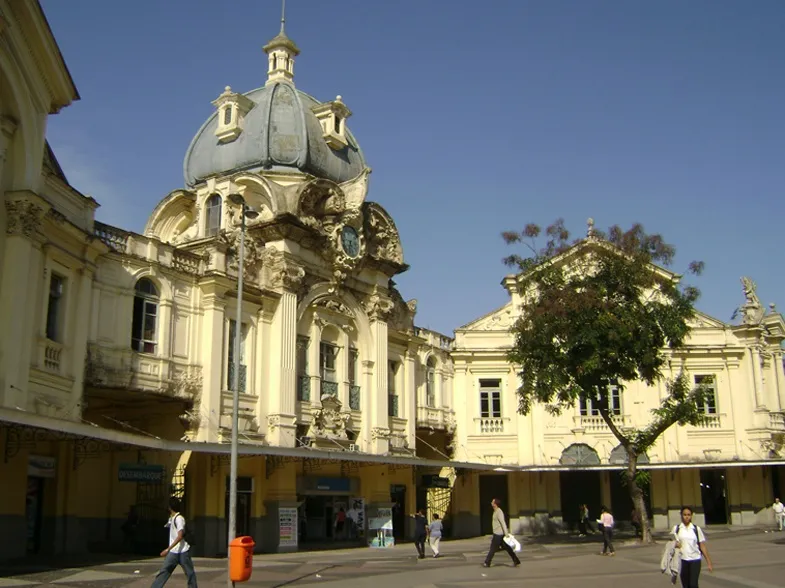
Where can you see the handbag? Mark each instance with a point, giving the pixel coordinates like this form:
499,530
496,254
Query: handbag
513,542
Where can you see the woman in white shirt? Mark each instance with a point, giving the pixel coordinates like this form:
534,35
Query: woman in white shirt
692,543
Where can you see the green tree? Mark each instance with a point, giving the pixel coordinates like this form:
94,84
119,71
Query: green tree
597,312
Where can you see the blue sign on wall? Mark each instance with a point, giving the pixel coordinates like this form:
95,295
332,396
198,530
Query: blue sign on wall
333,484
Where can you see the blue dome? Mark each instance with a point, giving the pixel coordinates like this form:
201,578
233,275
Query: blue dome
280,132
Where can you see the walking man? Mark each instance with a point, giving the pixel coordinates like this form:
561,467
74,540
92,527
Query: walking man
178,550
499,533
779,513
420,532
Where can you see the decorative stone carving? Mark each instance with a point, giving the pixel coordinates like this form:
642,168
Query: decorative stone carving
328,420
380,433
23,217
752,310
334,305
254,254
378,306
383,240
273,421
283,273
401,316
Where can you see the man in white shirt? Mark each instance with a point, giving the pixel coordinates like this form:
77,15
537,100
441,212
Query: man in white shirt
178,551
779,513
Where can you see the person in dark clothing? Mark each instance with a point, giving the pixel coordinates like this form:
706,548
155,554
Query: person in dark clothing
420,532
499,533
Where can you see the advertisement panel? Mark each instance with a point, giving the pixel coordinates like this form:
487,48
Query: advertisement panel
380,528
287,527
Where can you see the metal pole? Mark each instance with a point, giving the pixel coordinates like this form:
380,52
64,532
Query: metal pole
238,327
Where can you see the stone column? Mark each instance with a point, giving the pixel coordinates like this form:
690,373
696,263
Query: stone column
21,280
756,378
79,341
409,397
214,307
314,339
378,413
779,381
281,418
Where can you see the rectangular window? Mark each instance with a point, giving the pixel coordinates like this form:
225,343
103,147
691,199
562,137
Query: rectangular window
490,398
53,309
354,357
230,356
303,380
327,355
592,407
392,375
145,319
709,382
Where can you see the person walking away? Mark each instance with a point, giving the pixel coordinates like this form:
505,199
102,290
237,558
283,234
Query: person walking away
435,535
779,513
587,519
581,522
178,551
340,523
499,533
420,532
606,520
691,541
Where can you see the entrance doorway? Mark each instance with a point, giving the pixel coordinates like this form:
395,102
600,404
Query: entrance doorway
34,504
579,487
398,498
243,514
714,496
492,487
320,518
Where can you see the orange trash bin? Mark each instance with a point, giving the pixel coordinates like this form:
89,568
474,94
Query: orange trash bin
241,559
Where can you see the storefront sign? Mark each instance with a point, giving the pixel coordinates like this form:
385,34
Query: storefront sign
287,527
137,472
380,528
333,484
434,481
39,466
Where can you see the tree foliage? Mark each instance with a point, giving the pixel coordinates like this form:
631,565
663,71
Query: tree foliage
599,311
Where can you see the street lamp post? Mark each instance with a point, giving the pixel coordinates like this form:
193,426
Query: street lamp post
245,211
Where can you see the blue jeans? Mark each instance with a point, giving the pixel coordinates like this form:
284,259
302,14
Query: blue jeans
170,563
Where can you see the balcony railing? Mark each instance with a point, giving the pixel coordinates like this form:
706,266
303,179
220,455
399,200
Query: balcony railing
595,423
186,261
777,421
713,421
304,388
430,417
53,353
329,388
112,236
392,406
490,425
354,397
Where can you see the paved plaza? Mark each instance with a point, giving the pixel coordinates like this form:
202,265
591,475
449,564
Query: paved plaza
747,559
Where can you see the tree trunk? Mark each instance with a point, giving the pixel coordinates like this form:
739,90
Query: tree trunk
636,494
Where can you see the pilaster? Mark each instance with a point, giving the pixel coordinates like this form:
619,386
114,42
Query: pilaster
281,420
79,340
410,396
380,428
212,335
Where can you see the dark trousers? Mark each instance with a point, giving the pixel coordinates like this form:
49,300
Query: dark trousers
607,540
497,542
690,572
170,563
419,543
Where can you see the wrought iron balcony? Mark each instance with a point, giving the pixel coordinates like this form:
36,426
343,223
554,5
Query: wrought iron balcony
329,388
392,406
304,387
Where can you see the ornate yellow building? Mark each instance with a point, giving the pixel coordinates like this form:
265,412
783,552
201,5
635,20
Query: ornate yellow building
117,355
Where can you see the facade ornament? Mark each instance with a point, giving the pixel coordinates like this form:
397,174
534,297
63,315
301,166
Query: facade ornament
752,310
273,421
383,240
349,329
328,422
590,227
320,322
380,433
22,217
378,307
254,254
334,305
283,273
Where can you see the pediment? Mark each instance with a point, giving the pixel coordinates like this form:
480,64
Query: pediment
501,319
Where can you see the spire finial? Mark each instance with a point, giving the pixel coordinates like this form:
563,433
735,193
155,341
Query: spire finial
283,15
590,227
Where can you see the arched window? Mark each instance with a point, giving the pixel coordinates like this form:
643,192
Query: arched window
430,383
145,321
213,206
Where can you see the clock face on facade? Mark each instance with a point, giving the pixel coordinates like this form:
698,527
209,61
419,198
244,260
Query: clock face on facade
350,241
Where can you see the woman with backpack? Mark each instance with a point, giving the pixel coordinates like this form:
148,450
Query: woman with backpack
691,541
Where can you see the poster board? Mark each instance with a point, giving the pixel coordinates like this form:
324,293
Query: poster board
287,527
380,528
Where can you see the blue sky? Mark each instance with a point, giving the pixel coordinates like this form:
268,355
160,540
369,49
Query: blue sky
476,117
